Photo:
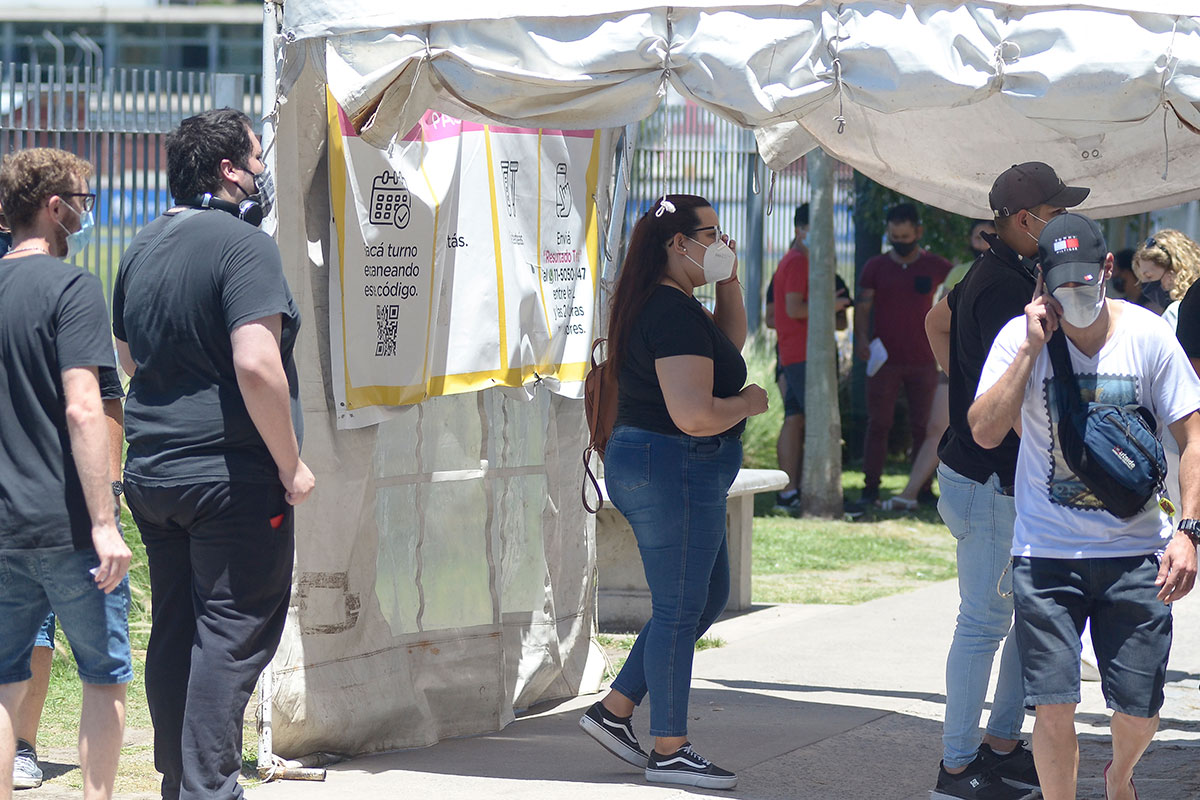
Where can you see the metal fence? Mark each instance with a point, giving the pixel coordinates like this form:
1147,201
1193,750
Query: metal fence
683,148
116,119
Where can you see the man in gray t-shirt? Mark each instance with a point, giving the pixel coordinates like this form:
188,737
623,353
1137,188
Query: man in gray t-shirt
205,325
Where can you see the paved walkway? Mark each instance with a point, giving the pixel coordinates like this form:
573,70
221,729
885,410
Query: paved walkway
803,702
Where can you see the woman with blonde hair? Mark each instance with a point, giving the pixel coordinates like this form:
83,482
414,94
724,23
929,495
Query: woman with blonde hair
675,450
1166,266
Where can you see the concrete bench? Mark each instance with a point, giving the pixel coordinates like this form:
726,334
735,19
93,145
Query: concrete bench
624,598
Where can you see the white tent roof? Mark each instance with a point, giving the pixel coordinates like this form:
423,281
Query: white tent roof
931,98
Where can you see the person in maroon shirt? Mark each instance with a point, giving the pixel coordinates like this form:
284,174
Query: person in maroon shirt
905,277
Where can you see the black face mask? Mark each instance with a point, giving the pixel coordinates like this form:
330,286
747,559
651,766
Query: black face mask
903,249
1118,285
1155,293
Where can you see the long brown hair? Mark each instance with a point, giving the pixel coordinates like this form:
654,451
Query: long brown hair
646,263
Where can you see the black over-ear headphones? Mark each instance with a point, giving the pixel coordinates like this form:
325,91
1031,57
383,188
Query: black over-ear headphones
247,211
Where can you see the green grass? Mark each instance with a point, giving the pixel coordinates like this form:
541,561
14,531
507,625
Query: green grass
616,648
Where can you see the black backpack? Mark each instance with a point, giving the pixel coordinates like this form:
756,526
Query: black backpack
1113,449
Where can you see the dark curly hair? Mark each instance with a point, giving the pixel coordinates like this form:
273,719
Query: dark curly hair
196,148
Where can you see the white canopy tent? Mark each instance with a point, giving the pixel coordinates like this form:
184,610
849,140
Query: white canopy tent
444,567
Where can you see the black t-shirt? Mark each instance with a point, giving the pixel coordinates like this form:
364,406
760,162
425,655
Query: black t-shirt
176,301
52,318
1187,329
996,288
673,324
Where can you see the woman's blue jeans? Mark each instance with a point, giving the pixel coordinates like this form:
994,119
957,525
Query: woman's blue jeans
672,491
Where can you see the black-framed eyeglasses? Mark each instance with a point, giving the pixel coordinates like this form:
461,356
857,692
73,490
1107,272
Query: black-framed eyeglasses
1153,243
715,228
89,199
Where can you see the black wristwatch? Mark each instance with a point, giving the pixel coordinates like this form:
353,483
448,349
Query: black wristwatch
1192,528
118,488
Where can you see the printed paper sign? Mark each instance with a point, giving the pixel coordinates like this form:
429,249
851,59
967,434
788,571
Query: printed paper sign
466,256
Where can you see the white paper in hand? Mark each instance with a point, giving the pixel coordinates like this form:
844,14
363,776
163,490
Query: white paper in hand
878,356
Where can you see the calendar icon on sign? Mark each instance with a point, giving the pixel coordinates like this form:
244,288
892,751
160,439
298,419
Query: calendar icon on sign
390,200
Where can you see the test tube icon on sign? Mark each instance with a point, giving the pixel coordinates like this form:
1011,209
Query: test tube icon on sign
563,195
390,200
509,170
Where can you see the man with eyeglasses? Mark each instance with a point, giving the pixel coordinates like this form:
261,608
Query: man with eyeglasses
977,501
60,545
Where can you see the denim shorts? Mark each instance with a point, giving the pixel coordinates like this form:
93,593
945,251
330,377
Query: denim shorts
793,396
34,582
1131,629
45,634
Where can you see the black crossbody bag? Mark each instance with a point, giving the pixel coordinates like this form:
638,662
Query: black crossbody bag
1113,449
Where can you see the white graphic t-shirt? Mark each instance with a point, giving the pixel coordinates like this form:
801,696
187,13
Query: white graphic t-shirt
1057,516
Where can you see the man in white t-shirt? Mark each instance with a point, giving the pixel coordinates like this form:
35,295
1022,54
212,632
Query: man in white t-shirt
1073,560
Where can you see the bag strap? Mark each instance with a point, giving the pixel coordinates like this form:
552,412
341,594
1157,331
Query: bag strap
1069,397
175,220
590,477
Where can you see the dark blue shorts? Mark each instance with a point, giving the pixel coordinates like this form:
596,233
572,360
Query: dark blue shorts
793,395
1131,629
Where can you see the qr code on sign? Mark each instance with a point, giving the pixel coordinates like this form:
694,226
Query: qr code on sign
387,323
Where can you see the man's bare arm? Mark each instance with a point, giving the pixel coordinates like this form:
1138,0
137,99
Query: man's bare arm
90,447
937,330
264,387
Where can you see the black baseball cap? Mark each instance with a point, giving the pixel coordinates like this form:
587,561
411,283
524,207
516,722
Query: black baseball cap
1032,184
1071,249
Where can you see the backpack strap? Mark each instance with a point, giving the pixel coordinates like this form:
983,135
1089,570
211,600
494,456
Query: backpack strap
1067,392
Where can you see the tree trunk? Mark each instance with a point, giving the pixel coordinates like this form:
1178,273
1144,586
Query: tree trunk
822,471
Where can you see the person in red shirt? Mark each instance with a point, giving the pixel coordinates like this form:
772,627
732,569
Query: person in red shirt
790,292
905,277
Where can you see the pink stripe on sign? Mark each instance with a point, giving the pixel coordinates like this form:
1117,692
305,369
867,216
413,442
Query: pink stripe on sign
347,128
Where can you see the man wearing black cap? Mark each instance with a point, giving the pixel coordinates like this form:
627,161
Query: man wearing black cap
976,493
1073,561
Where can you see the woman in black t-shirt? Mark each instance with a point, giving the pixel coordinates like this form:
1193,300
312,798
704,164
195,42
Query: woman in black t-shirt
674,452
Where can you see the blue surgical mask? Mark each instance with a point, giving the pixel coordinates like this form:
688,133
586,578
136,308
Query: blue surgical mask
80,239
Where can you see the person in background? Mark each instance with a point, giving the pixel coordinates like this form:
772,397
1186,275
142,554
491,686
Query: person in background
1166,266
1124,282
682,407
902,280
925,462
62,548
791,325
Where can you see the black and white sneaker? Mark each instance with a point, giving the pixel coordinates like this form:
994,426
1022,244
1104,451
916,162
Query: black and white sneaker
614,733
1015,768
686,767
976,782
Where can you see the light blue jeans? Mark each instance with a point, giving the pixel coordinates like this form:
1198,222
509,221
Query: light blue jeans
981,518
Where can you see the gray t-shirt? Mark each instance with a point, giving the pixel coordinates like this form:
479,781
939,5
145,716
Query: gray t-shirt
52,318
177,299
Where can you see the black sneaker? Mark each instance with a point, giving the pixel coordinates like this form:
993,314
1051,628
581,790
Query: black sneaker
686,767
614,733
976,782
791,505
1015,768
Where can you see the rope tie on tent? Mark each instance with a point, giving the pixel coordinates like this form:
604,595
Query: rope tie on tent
604,227
1168,68
835,49
771,193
